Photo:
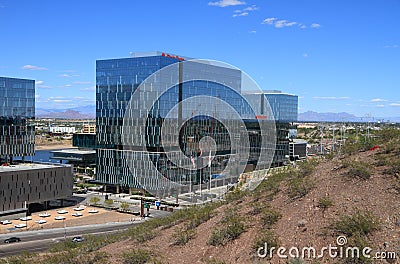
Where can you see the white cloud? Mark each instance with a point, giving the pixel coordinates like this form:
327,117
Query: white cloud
269,21
251,8
39,82
64,75
62,100
253,32
392,46
33,68
245,11
315,25
284,23
305,55
376,100
240,14
380,105
394,104
90,89
281,23
331,98
68,85
224,3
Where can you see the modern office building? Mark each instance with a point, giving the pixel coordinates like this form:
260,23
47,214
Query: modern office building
24,183
17,113
131,165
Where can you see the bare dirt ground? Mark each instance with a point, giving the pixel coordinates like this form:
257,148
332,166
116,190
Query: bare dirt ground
101,217
302,224
42,143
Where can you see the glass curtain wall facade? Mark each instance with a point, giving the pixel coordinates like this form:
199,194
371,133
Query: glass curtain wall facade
117,79
17,111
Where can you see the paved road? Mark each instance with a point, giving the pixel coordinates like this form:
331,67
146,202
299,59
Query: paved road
36,241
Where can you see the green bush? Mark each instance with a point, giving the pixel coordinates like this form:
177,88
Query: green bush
268,237
182,235
359,223
269,217
94,200
232,228
124,206
296,261
271,184
359,242
299,187
359,169
108,202
325,202
394,168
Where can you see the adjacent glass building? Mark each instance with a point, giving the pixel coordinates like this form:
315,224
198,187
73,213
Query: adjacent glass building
285,111
17,111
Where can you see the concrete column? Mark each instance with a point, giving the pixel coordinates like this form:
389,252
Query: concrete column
117,188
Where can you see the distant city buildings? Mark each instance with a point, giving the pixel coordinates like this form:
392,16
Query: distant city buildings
89,129
22,184
62,130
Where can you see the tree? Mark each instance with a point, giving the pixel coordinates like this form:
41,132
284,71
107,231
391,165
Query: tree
94,200
124,206
108,202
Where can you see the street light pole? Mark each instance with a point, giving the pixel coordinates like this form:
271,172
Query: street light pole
65,230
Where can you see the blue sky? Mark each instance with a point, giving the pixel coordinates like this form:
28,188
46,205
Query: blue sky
338,56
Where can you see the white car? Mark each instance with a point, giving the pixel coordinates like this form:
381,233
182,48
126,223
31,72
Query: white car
41,221
77,214
59,218
62,211
79,209
44,215
93,211
20,225
27,218
6,222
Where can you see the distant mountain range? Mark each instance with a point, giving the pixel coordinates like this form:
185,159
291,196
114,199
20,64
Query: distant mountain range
89,112
83,112
340,117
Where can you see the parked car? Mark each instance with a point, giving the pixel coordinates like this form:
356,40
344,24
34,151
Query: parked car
77,239
6,222
12,240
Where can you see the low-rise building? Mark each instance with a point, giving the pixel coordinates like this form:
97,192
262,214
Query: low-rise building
62,130
22,184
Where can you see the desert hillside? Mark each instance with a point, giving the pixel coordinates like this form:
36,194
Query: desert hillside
353,195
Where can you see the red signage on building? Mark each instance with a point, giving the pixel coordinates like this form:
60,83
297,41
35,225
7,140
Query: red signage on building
172,56
261,117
